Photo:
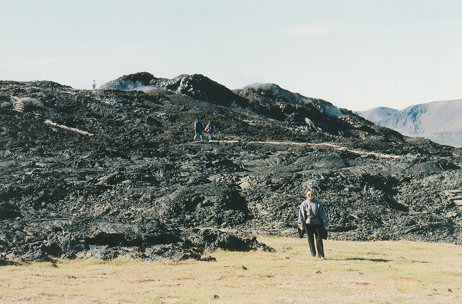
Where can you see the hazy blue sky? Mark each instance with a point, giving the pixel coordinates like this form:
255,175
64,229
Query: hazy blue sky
355,54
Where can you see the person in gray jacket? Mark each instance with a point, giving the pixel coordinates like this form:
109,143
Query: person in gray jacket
312,218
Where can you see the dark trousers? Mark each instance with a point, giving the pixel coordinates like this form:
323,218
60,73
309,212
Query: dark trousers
312,232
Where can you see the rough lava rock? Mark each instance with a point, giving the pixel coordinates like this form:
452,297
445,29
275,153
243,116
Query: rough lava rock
114,172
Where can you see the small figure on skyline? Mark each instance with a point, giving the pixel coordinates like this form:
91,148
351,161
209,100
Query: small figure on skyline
94,84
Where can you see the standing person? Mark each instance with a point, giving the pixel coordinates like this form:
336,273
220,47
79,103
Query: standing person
312,218
198,127
209,129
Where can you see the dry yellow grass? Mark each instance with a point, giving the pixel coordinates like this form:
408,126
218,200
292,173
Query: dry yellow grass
354,272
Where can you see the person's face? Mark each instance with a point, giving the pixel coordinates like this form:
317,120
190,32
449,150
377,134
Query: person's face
310,195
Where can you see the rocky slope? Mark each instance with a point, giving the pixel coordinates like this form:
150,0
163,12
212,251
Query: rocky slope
196,86
111,172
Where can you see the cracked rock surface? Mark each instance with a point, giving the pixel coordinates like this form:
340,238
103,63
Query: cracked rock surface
117,172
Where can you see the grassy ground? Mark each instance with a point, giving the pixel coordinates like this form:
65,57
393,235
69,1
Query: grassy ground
353,272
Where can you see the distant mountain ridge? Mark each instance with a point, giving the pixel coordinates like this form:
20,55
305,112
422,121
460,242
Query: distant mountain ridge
440,121
377,114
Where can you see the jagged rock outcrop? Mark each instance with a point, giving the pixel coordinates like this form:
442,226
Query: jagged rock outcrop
196,86
106,173
139,81
280,101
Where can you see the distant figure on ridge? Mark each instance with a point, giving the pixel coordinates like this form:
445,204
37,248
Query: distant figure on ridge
94,85
312,218
198,128
209,129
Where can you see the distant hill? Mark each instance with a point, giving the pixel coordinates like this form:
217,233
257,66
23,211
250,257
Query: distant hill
377,114
439,121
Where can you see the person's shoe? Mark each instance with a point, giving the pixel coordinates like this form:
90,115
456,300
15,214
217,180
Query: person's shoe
322,258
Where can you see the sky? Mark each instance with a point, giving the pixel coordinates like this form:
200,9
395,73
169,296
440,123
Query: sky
356,54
